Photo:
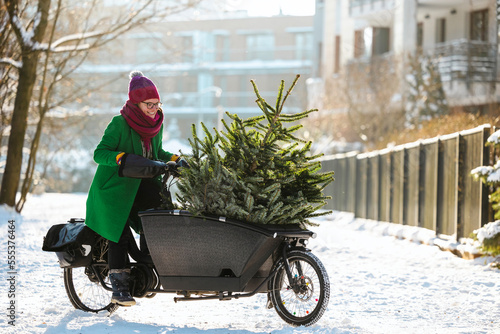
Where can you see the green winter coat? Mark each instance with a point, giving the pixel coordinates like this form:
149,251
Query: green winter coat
110,196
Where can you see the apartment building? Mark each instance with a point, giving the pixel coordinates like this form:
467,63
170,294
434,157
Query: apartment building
460,36
203,68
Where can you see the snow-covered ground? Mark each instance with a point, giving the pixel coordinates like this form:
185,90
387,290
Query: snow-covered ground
379,284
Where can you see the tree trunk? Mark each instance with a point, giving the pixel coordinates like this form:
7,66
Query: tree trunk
12,174
27,78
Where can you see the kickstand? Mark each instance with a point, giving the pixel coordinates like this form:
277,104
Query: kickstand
112,309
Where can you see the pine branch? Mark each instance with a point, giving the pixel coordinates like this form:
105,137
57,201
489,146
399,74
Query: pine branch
256,169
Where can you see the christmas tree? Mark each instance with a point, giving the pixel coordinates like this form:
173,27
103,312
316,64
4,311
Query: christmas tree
256,170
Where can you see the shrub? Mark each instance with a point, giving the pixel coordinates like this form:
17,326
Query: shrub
489,238
489,235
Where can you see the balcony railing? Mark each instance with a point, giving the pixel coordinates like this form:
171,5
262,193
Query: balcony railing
360,3
367,64
362,7
471,61
459,60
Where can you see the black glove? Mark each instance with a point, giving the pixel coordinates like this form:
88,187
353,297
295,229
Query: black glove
138,167
182,163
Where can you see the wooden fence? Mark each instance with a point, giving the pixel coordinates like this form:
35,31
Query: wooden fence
426,183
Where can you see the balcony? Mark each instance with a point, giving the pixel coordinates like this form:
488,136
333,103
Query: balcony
360,8
469,61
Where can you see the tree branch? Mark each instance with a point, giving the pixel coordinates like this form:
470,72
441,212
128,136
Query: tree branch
28,39
78,37
5,62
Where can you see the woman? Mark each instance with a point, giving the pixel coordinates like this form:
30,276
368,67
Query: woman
113,201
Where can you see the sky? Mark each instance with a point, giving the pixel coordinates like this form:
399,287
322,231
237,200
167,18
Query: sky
272,7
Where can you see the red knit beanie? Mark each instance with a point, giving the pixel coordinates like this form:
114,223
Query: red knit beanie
141,88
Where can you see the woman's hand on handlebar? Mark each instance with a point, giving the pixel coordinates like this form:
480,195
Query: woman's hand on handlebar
172,167
138,167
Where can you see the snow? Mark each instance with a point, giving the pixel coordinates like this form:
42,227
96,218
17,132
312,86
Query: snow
379,284
77,37
12,62
482,170
26,35
492,173
494,177
494,138
488,231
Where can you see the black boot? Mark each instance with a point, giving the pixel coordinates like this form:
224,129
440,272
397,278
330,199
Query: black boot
120,282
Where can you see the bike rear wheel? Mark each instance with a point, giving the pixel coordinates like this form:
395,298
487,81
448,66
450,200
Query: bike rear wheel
83,284
302,301
84,293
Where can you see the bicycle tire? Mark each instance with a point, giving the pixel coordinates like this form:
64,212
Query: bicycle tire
85,294
303,301
83,287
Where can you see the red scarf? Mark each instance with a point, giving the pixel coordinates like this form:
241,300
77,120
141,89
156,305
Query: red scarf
145,126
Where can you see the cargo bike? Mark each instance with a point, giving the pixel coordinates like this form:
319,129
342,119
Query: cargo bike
201,258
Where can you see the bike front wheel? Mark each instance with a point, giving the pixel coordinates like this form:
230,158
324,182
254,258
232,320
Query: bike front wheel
302,300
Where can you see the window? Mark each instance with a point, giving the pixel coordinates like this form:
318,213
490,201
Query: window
222,48
144,50
420,35
187,49
441,30
303,45
359,43
319,55
371,42
381,41
479,25
260,46
336,65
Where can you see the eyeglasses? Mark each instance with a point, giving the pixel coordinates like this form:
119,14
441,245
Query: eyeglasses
150,105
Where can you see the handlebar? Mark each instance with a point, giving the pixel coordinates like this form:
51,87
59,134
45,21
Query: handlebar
138,167
171,168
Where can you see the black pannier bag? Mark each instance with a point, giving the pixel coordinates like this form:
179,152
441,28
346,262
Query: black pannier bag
72,243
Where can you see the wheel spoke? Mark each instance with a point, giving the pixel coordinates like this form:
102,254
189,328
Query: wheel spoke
303,300
88,294
299,297
83,283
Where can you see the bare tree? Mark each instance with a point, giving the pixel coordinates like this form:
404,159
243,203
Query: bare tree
8,80
362,104
44,43
29,37
374,99
425,95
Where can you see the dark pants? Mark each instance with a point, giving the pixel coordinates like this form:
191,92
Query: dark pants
147,197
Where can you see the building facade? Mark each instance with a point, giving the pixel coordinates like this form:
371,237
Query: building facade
460,36
203,68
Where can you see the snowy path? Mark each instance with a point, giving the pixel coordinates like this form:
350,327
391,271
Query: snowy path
379,285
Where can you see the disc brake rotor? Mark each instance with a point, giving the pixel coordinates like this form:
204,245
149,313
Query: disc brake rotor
303,288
